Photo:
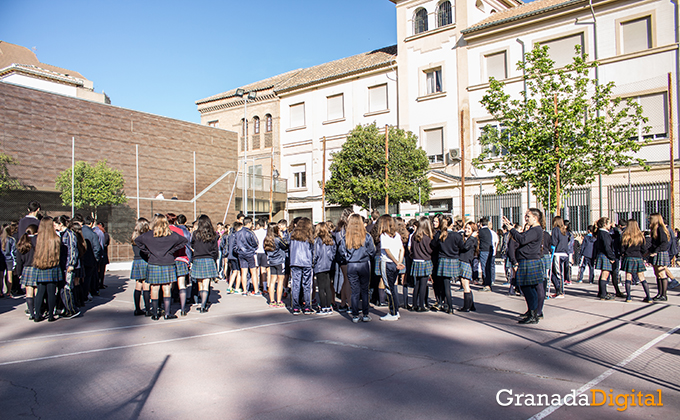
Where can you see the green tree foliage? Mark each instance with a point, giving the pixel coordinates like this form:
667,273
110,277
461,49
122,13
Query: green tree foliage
95,186
358,169
8,182
591,133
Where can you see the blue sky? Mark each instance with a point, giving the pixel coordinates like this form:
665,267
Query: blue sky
161,56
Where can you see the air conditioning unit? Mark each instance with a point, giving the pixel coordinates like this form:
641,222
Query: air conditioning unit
453,155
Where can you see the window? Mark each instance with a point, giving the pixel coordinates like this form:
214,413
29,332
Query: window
269,123
433,81
639,201
636,35
377,98
256,125
299,176
335,106
434,145
420,21
562,51
297,115
215,124
654,107
255,177
444,14
496,65
494,152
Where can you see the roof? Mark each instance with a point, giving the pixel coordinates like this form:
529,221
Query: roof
16,54
520,12
323,72
40,72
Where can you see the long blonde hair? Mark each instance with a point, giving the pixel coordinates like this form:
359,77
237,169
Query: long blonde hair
656,223
632,236
47,246
160,226
355,233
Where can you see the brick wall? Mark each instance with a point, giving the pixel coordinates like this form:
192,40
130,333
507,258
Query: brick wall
36,129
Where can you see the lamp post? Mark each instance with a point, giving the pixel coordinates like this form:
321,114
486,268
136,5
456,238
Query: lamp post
275,177
251,95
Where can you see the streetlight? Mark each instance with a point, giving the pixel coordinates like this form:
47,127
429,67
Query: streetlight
251,95
275,176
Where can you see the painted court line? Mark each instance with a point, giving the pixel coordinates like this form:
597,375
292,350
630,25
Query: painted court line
549,410
151,343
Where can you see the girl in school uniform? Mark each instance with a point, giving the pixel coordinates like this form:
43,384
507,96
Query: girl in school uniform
467,253
448,244
275,247
69,263
405,235
343,282
138,272
301,263
560,242
391,261
634,247
324,257
357,250
182,259
232,260
205,253
47,268
604,249
160,243
421,268
9,254
25,253
659,254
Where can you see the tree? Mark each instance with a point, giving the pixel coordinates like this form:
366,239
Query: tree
95,186
8,182
358,169
565,126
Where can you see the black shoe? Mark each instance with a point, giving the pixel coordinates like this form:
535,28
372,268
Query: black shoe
51,319
155,317
38,319
660,299
620,295
170,316
607,297
646,300
463,309
539,316
139,312
183,313
203,310
531,319
420,310
148,313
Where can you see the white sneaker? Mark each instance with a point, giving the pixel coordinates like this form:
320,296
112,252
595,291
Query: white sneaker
389,317
366,318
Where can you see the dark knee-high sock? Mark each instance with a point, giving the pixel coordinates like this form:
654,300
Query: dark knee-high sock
154,303
168,305
472,302
51,298
29,303
664,286
182,298
540,292
204,298
628,289
602,288
645,286
138,296
381,295
146,294
40,295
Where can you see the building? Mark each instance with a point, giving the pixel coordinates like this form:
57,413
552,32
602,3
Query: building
20,66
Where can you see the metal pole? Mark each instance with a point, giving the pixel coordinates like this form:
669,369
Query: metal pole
671,222
271,186
245,155
630,196
137,169
73,176
462,166
557,169
481,206
233,188
597,85
323,182
387,159
549,200
194,184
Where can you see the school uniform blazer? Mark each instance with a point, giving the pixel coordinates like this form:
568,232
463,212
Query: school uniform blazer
604,245
660,243
69,249
204,249
246,243
278,255
450,246
231,246
467,251
324,256
530,243
161,249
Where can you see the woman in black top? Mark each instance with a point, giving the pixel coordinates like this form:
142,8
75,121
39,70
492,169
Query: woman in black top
634,247
530,270
25,269
205,253
421,268
139,268
511,263
560,241
659,254
604,249
468,252
448,244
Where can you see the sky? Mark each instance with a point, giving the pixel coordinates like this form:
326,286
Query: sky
162,56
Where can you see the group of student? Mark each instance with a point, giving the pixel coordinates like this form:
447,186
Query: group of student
60,262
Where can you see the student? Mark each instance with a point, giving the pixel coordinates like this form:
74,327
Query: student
449,244
605,256
659,254
421,268
260,256
530,272
467,253
487,264
342,283
275,247
634,247
25,254
9,254
68,264
161,243
205,253
357,249
587,253
46,261
560,243
391,261
232,259
182,258
405,236
301,263
246,246
324,257
139,268
511,263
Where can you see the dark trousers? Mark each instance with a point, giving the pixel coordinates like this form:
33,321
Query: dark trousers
531,296
300,277
389,274
488,267
51,290
91,280
420,292
587,262
359,275
323,281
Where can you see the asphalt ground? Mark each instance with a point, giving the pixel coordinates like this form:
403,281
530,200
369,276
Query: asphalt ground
243,360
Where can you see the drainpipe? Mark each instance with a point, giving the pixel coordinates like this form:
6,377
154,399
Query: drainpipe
597,84
524,80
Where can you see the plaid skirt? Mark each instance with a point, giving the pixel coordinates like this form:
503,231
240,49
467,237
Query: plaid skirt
28,276
203,268
182,268
661,259
530,272
633,265
603,263
161,274
464,270
421,268
449,267
139,267
546,265
376,265
50,275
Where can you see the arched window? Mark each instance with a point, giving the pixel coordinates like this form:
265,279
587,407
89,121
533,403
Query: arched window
256,125
420,21
444,14
269,123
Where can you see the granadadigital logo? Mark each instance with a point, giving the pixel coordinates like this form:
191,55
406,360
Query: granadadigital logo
597,398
